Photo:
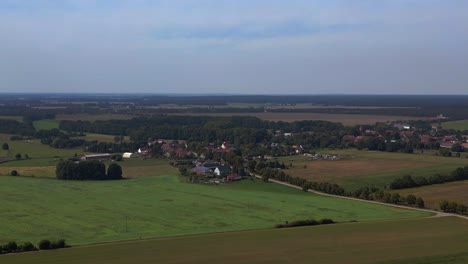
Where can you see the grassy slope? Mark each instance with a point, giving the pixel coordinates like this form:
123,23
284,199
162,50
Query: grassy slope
85,212
402,241
367,168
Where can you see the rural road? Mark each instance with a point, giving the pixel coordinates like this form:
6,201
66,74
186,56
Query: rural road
436,213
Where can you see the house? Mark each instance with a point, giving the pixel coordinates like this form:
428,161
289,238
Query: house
211,165
222,170
201,170
128,155
233,177
101,156
348,138
144,151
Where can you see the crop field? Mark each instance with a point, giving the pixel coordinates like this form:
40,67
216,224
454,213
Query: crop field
100,137
133,168
433,194
46,124
342,118
431,240
88,212
370,168
90,117
457,125
35,149
17,118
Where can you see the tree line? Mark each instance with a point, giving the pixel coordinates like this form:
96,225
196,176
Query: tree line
87,170
408,181
45,244
453,207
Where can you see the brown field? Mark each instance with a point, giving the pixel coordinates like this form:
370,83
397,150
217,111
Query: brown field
5,136
369,168
89,117
433,194
348,120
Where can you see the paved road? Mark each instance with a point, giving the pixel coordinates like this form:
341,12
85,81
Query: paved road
435,213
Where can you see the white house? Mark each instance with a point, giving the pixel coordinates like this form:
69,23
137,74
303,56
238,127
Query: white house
128,155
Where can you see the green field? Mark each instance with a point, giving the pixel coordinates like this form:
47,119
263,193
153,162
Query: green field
87,212
370,168
17,118
434,240
35,149
46,124
457,125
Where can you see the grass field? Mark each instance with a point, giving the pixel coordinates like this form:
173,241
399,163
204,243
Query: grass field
87,212
433,194
100,137
342,118
35,149
434,240
46,124
370,168
457,125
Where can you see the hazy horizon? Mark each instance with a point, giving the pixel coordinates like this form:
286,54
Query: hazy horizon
261,47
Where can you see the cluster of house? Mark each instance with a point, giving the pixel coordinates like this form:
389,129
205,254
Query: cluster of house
225,147
406,132
215,169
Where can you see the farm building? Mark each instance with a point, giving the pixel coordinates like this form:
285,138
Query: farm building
101,156
128,155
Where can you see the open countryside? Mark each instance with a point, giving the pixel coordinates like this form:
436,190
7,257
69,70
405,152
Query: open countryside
430,240
90,212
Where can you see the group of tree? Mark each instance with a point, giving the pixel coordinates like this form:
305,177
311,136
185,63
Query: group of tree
453,207
13,247
310,222
409,181
87,170
375,194
279,175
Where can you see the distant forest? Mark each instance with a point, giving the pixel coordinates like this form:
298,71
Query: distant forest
38,106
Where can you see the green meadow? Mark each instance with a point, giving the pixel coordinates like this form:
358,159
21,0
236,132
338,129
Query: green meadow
457,125
146,207
430,240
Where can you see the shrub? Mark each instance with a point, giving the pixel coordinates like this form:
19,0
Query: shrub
14,173
44,244
27,246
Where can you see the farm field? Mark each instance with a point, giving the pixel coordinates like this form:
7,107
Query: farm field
433,194
457,125
343,118
17,118
146,207
430,240
35,149
369,168
46,124
90,117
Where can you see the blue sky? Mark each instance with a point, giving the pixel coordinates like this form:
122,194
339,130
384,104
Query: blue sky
222,46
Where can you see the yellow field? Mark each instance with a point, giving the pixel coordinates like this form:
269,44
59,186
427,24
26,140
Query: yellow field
433,194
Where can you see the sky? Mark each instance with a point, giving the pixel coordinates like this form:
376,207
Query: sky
234,46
